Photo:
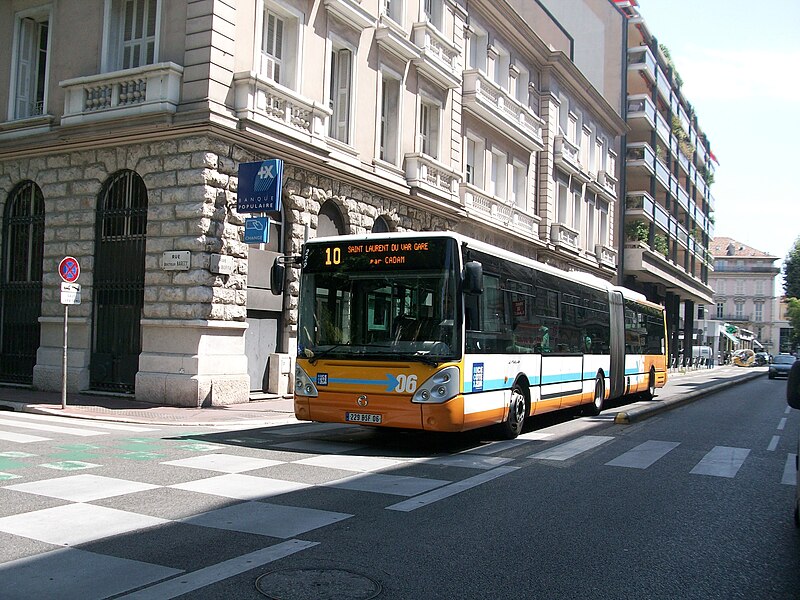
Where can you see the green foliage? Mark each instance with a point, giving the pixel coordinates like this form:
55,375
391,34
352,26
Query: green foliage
660,244
791,271
637,230
793,316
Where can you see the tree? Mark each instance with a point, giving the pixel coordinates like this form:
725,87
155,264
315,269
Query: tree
791,271
793,316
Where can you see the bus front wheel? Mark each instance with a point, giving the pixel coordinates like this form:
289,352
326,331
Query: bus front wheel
517,412
651,385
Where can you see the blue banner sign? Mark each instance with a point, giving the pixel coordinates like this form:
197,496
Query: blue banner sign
256,230
260,186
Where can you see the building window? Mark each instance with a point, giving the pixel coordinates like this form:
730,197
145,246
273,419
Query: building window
276,55
30,74
473,168
759,312
330,220
389,119
394,10
701,312
520,85
478,50
603,210
519,186
381,225
739,286
739,310
759,287
561,206
341,66
577,205
590,222
502,62
721,286
132,34
498,175
434,12
429,116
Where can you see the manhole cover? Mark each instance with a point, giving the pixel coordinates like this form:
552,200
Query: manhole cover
317,584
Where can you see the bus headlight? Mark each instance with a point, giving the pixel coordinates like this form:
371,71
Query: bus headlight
303,385
440,387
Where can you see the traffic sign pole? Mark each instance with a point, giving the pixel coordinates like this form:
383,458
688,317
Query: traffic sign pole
69,269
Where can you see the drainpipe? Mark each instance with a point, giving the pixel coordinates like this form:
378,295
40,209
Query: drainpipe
623,151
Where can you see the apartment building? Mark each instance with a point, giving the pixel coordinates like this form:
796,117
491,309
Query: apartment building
667,214
122,151
744,282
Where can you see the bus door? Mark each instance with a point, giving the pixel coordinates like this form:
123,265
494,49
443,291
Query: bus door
616,385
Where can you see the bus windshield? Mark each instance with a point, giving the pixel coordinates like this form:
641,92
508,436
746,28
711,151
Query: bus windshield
388,299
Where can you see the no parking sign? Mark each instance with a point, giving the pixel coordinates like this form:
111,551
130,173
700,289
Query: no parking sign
69,269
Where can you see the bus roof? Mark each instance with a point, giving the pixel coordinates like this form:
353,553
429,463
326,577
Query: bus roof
577,276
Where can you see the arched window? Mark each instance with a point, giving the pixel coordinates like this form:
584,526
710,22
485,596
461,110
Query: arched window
118,282
21,282
381,225
330,220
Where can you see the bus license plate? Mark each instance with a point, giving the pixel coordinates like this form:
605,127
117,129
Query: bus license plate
361,418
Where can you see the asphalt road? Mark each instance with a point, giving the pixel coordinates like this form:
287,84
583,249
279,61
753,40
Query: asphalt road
693,503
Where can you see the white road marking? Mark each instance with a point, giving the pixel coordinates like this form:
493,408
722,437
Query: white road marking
782,424
21,438
643,455
773,443
85,422
789,470
572,448
82,488
450,490
52,428
189,582
722,461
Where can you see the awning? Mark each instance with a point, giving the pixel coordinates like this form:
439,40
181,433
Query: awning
732,338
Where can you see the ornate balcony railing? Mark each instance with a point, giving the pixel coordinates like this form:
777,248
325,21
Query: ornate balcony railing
564,236
489,101
494,210
606,255
438,57
566,154
132,92
265,102
424,171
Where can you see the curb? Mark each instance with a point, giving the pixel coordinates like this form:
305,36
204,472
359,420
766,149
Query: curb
58,412
658,406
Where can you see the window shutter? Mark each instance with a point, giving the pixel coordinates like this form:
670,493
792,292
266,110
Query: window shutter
343,59
26,64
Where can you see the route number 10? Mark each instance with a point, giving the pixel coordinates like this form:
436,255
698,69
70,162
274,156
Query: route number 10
333,258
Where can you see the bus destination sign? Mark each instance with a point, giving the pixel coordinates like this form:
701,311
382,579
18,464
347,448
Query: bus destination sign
379,255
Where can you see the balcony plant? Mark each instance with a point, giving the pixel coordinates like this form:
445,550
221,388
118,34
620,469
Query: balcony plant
637,230
660,244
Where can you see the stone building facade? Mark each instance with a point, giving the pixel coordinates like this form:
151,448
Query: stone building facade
123,152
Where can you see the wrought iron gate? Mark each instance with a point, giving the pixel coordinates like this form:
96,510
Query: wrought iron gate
118,283
21,283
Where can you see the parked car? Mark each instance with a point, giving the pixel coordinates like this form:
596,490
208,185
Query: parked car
793,398
762,358
781,365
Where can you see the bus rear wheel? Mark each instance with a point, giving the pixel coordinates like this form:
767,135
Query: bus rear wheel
596,407
517,412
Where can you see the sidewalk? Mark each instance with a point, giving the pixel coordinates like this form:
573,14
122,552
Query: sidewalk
680,388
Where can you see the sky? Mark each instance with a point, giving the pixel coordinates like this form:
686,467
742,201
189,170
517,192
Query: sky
739,64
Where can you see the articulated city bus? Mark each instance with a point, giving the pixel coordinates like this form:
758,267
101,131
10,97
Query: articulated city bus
439,332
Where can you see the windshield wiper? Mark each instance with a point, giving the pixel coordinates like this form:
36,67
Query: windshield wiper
323,353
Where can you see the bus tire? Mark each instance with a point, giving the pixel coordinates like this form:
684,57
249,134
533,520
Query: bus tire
651,385
517,412
596,407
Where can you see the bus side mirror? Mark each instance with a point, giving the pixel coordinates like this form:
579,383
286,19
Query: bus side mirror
276,277
473,277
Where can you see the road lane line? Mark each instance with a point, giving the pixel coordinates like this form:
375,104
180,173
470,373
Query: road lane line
450,490
643,455
782,424
788,410
722,461
21,438
52,428
789,470
774,443
189,582
572,448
